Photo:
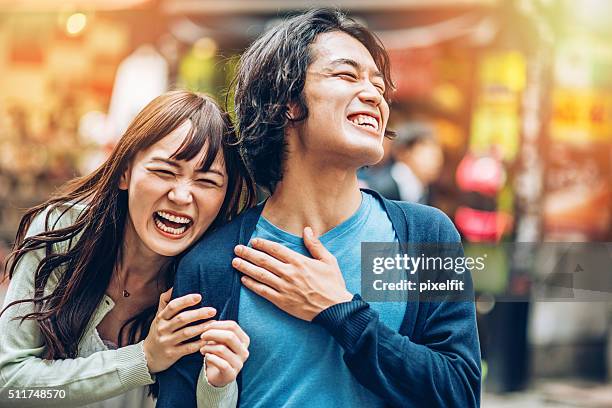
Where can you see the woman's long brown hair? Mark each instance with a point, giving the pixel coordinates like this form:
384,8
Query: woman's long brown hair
94,241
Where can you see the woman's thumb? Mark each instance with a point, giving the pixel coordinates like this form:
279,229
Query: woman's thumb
164,298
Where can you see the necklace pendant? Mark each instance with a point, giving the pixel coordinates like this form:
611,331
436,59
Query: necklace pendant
126,293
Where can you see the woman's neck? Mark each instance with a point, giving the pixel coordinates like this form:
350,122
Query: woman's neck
136,265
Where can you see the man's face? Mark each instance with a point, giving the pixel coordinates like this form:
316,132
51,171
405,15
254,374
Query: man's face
347,113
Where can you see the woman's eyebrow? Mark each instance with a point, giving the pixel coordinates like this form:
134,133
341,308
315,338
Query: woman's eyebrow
211,170
166,161
177,166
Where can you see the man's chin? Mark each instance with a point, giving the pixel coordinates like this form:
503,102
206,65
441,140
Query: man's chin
372,157
353,156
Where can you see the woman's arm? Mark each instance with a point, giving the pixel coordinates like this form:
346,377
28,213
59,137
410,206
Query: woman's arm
225,352
208,396
97,377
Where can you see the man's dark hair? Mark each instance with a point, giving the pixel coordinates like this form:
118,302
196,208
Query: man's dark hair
271,75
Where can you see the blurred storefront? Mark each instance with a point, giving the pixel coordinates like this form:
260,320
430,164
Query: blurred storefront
519,93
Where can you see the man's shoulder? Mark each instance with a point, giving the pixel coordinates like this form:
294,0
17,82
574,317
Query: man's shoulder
217,245
426,221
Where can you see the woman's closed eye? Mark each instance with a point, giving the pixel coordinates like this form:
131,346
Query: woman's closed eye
208,182
163,172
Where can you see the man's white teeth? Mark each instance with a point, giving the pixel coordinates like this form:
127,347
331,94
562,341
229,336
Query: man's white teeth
174,218
170,230
365,120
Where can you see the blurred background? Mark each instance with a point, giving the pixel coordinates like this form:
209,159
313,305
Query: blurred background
503,110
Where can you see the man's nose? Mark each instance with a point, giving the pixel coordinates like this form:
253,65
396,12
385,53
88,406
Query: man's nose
370,94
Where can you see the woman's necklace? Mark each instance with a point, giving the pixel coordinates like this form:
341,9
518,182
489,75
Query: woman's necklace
124,291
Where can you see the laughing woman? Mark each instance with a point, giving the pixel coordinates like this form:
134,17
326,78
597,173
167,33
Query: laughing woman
88,319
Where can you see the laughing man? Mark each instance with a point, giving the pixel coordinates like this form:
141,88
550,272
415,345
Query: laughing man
311,104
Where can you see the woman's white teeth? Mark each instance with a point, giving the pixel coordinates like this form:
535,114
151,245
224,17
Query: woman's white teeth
365,120
174,218
169,230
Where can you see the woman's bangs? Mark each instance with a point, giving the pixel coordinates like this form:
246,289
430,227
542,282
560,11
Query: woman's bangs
207,132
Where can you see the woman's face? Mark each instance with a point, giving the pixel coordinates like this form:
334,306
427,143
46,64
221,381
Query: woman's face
171,202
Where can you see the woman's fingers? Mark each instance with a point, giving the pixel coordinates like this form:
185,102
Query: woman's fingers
228,339
189,316
178,304
187,332
225,350
188,348
170,328
225,353
220,364
231,326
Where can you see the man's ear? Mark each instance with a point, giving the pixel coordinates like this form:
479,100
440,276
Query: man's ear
292,111
124,181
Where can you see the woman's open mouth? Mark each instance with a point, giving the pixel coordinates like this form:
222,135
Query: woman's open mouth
172,224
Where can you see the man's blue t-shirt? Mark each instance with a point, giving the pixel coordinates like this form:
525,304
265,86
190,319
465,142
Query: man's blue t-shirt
294,363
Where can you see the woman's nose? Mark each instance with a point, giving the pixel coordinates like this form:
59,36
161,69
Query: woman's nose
181,194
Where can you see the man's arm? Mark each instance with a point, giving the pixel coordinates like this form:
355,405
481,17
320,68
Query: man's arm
437,366
442,369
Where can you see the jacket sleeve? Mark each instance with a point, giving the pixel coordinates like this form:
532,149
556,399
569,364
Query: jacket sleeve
442,370
439,367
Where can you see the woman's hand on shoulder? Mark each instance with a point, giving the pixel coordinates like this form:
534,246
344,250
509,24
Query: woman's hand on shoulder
225,351
170,330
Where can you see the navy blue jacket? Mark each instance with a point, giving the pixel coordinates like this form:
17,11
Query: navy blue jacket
433,361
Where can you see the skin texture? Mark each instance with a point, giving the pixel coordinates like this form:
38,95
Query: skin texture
155,182
319,189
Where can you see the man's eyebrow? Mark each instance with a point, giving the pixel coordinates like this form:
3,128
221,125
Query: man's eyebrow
177,166
354,64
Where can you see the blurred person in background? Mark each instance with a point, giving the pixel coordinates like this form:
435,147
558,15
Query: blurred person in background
88,308
418,161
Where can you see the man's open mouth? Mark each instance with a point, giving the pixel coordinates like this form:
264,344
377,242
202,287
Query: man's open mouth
171,223
366,121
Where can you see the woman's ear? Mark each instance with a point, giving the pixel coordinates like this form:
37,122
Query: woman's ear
124,181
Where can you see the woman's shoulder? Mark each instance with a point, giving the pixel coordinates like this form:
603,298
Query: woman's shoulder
55,217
